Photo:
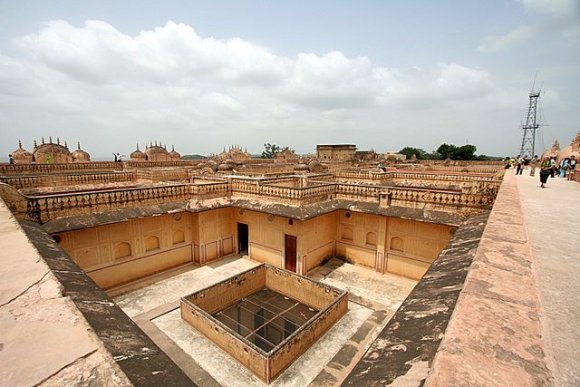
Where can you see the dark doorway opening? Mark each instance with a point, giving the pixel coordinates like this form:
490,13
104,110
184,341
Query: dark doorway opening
290,253
242,238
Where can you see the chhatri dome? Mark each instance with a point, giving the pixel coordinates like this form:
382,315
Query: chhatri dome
137,155
21,155
174,155
80,156
51,152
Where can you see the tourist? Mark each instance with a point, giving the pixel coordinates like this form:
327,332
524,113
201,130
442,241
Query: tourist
11,159
554,165
382,167
526,161
545,170
507,163
519,166
48,159
571,167
534,164
564,164
115,155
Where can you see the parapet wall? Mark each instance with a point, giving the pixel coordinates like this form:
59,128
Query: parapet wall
474,318
495,335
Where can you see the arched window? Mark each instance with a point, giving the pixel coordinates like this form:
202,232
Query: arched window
397,244
346,234
122,250
371,239
178,237
151,243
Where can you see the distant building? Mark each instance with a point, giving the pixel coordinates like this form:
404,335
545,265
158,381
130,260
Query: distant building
336,151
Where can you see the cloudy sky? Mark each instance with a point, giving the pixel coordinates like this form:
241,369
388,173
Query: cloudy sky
203,75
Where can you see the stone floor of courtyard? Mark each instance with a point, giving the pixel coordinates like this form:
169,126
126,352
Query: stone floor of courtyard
373,299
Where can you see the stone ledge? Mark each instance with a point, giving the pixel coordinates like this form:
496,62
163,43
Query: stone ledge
142,361
495,334
404,351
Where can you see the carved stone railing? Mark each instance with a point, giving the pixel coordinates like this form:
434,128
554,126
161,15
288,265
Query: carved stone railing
437,199
462,162
474,196
163,164
445,176
280,194
47,207
210,189
359,192
15,169
452,168
37,181
267,168
266,175
158,175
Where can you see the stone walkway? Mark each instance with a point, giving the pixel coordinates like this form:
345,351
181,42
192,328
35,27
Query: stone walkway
552,219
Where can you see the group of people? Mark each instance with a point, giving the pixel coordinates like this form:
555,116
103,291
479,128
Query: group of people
549,167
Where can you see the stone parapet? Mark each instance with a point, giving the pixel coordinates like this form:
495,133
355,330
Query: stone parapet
403,352
495,335
45,339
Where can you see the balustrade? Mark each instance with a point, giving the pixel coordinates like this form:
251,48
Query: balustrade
14,169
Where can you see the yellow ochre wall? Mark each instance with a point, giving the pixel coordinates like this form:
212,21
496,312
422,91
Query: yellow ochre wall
418,245
266,235
122,252
214,234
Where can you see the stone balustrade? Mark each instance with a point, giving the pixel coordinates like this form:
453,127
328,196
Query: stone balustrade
163,164
211,189
360,192
55,180
289,195
15,169
375,176
47,207
159,175
440,199
452,168
267,168
473,194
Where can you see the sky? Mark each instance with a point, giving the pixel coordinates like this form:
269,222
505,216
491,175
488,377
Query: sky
203,75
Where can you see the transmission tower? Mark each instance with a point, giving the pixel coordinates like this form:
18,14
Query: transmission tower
529,136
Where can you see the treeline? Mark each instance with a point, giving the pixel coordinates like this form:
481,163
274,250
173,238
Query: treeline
446,151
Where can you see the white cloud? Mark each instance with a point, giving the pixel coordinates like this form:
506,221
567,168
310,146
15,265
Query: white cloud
95,84
501,42
558,9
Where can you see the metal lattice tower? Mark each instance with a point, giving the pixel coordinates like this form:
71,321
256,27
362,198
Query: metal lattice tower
529,136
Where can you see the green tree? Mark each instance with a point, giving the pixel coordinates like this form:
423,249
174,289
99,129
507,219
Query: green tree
270,151
465,152
447,151
410,151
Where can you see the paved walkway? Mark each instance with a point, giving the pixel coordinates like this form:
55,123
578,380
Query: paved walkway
552,219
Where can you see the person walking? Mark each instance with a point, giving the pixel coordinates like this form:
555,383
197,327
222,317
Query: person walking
519,166
564,164
534,165
554,165
571,167
545,170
